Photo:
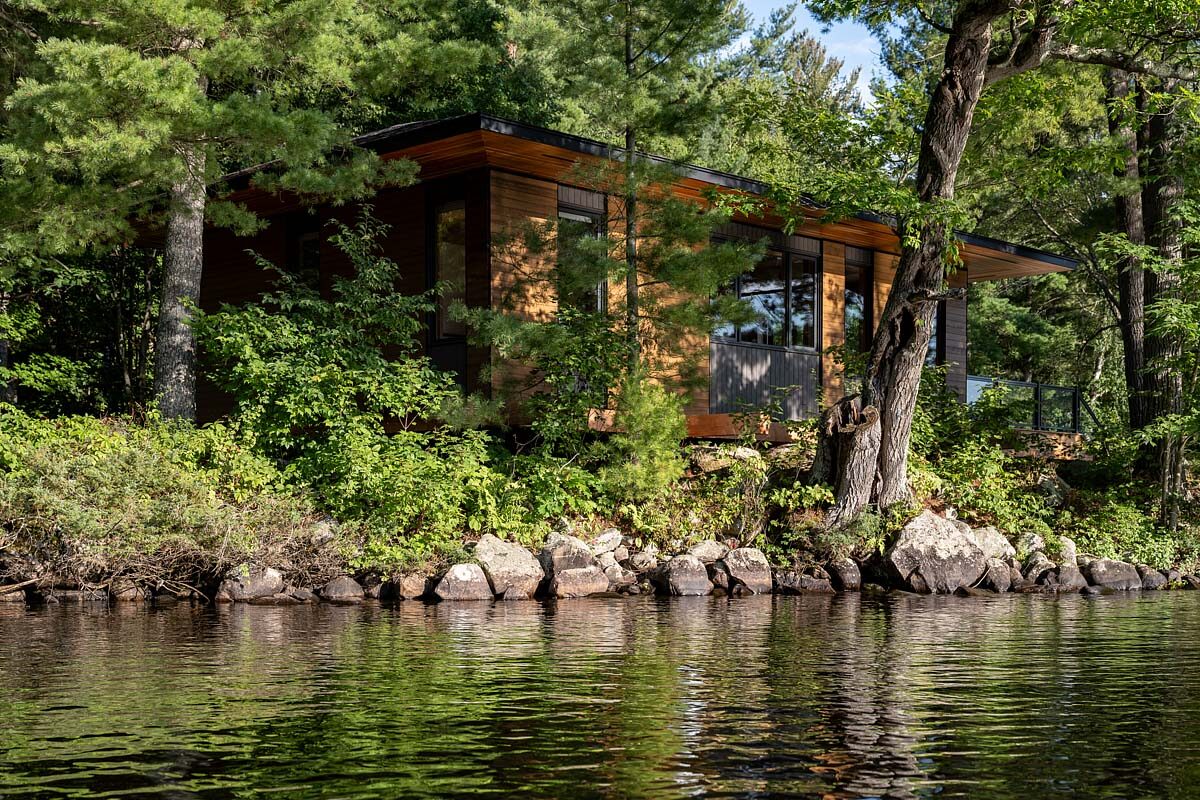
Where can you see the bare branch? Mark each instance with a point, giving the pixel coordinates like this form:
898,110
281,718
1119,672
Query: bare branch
1127,62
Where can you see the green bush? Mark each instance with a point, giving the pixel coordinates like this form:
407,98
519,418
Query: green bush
160,504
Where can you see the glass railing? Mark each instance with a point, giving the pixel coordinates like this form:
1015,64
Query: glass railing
1038,406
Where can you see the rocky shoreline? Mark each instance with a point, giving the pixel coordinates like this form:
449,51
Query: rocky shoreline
932,554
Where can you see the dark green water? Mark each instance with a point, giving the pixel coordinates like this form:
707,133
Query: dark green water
1017,697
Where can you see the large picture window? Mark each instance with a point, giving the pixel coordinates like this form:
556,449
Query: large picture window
782,292
450,265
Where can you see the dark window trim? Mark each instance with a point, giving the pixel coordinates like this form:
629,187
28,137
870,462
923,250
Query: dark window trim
868,268
600,218
818,277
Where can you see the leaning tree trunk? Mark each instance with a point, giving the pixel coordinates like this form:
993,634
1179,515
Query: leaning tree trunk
175,344
1131,278
875,464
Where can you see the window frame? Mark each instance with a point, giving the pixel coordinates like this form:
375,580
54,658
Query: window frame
599,221
866,268
790,254
433,265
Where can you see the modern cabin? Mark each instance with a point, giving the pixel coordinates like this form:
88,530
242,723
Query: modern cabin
481,177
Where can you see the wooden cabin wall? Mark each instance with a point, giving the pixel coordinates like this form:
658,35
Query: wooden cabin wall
832,313
955,329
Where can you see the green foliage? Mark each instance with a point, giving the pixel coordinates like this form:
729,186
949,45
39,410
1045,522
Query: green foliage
160,504
642,459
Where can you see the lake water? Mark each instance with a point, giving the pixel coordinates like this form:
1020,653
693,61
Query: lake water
873,696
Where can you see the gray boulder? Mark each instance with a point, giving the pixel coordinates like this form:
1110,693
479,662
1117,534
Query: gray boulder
561,552
1037,567
993,543
792,581
1068,553
508,566
748,567
303,595
1152,579
1173,575
619,577
606,542
342,590
579,582
996,576
411,586
1028,543
464,582
845,575
642,561
621,554
1068,578
684,576
708,551
241,586
931,555
1108,573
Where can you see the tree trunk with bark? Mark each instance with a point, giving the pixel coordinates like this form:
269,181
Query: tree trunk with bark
175,344
874,463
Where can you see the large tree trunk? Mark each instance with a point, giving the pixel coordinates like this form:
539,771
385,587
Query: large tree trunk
902,338
175,344
1163,192
1132,275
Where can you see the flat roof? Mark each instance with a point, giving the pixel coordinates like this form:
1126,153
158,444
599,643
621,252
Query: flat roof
409,134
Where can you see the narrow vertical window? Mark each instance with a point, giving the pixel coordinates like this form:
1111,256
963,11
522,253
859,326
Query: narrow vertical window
933,356
308,260
450,267
594,295
803,301
859,287
765,291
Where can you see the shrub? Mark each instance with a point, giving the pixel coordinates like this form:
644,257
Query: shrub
160,504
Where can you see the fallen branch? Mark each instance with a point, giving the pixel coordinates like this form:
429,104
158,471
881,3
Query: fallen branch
12,587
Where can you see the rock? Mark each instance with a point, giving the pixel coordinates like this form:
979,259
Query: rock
845,575
1152,579
606,542
1191,582
1068,578
932,555
719,577
606,560
794,582
579,582
1111,574
280,599
342,590
642,562
372,586
1037,567
1015,577
1173,576
1028,543
411,586
508,566
1091,590
993,543
1054,489
302,595
562,552
1067,552
619,578
464,582
996,576
684,576
513,593
970,591
748,567
621,554
708,551
241,586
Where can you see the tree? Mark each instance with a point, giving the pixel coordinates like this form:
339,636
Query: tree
641,72
985,42
137,109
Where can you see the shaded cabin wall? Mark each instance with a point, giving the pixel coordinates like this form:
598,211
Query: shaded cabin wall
833,317
954,330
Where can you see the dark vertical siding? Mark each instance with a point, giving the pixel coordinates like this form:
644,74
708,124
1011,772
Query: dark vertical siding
745,375
954,338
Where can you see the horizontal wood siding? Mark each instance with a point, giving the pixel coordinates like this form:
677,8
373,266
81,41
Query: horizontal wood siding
745,375
833,316
955,347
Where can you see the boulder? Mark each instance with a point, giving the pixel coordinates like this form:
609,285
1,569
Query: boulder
411,586
242,585
1108,573
996,576
845,575
748,567
464,582
606,560
124,591
619,578
708,551
606,542
684,576
993,543
1190,582
1067,552
579,582
1173,576
719,577
561,552
1030,543
342,590
303,595
1037,567
932,555
1152,579
1068,578
1054,489
508,566
792,581
642,561
513,593
621,554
